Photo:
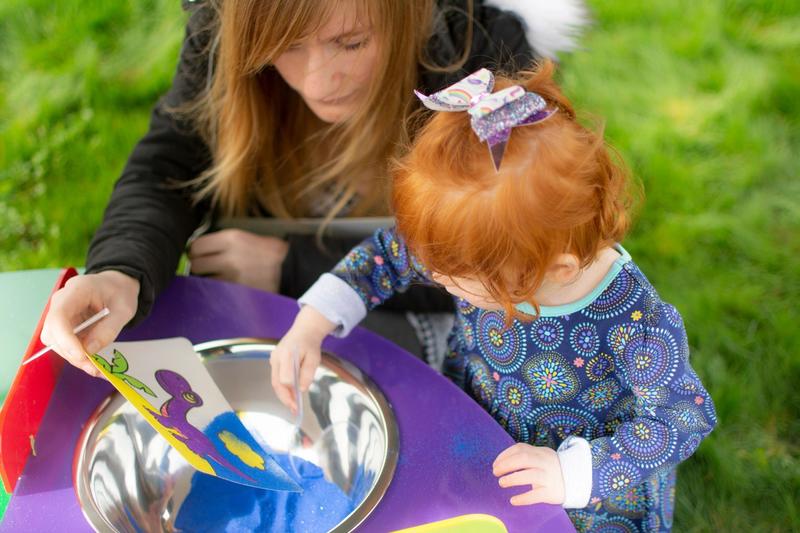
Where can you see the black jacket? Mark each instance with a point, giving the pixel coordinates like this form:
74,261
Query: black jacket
148,220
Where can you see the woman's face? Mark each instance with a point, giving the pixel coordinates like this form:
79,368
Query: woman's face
332,69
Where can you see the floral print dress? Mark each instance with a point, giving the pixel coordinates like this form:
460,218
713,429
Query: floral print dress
612,368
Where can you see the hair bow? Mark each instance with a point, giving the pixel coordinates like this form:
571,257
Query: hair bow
492,115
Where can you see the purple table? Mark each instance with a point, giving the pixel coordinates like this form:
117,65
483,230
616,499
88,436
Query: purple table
447,442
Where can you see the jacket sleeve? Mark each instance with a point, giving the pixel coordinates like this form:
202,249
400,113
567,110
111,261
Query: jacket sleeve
367,276
148,218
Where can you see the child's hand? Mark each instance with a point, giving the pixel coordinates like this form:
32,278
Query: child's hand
537,467
304,337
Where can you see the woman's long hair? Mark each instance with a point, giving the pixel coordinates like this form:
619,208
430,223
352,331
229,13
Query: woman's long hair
270,152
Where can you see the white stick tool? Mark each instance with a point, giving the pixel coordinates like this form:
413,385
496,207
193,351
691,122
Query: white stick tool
104,312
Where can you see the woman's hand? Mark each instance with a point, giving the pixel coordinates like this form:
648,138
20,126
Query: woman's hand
305,338
535,467
80,298
241,257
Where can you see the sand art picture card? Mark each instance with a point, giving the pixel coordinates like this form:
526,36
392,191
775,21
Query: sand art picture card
169,385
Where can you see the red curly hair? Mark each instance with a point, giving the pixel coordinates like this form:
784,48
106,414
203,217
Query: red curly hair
558,190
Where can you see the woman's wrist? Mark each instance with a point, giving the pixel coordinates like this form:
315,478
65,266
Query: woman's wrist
121,281
125,289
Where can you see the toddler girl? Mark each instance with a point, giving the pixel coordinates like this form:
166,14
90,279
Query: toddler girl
517,210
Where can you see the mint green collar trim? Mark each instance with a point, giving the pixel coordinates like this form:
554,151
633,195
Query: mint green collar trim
566,309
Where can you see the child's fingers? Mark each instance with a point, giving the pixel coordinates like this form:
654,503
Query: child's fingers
285,393
273,367
509,452
516,462
277,360
286,369
530,497
307,370
286,396
531,477
274,363
273,372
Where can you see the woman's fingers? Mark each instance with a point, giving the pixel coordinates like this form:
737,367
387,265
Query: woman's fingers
67,309
209,265
210,255
241,257
208,244
80,298
102,334
105,332
62,340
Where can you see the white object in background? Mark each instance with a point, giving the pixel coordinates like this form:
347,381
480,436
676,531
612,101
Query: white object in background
551,26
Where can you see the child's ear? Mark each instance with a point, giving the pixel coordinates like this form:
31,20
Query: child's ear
564,269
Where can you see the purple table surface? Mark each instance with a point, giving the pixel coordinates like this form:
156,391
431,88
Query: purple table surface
447,441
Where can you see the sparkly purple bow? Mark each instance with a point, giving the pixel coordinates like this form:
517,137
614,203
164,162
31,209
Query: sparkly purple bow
493,115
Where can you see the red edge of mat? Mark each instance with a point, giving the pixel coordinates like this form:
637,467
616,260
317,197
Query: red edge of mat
27,401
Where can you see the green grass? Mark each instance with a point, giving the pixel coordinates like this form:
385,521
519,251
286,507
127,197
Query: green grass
77,80
703,100
701,97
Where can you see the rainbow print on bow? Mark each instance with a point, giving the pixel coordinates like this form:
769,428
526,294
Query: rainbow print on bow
492,115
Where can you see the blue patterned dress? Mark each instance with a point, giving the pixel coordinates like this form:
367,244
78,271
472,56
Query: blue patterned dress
613,369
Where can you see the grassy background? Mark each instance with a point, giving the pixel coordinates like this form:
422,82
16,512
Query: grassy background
701,97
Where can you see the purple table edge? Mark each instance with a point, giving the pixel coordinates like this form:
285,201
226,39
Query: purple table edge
441,429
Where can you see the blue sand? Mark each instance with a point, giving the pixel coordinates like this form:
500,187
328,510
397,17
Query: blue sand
214,504
272,477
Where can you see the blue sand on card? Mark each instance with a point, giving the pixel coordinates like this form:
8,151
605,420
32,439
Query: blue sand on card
272,477
214,504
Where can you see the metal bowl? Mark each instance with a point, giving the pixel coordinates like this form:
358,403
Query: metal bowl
129,479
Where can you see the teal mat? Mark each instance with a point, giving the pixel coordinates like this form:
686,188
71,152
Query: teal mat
23,295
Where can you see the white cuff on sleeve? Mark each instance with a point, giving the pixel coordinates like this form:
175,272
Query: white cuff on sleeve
337,301
575,456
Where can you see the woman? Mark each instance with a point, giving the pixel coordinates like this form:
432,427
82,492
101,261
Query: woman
280,108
